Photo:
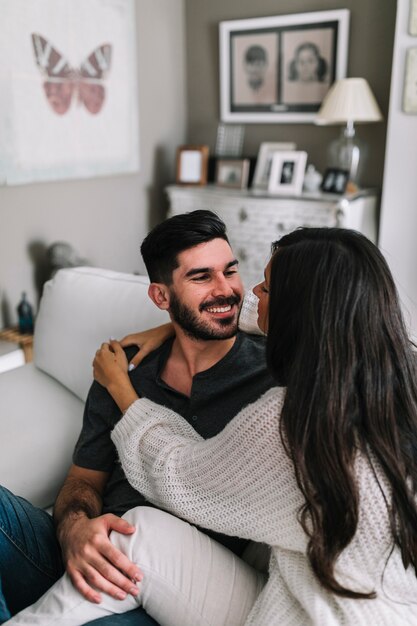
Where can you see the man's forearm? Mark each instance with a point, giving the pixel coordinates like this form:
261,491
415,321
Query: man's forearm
77,498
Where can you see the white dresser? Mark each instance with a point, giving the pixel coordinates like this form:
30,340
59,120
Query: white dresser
254,218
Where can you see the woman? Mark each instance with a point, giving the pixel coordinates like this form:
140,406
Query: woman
323,468
307,65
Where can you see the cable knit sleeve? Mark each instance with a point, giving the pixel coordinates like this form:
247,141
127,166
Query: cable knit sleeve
248,318
240,482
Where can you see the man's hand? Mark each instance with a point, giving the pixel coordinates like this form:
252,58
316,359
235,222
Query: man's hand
91,560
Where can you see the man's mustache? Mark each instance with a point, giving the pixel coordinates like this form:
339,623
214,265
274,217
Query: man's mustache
219,302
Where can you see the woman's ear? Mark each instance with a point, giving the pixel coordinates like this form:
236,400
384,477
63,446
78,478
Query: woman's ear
159,294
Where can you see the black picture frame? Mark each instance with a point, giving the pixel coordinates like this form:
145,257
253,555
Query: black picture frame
335,181
279,69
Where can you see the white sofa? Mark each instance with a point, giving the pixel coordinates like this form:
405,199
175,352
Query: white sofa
41,404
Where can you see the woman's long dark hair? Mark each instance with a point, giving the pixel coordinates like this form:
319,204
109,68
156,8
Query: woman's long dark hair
337,340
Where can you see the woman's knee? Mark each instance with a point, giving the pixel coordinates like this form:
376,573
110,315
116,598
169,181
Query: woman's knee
147,516
153,534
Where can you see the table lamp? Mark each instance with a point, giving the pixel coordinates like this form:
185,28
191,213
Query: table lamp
348,101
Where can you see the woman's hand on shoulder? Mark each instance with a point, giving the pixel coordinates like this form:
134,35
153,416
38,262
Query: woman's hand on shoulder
110,363
110,368
147,341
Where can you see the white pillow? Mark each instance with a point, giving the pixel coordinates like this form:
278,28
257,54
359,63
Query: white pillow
82,307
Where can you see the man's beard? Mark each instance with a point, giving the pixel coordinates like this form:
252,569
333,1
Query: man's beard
199,329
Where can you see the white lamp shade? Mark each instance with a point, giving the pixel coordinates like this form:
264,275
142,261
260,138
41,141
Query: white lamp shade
349,100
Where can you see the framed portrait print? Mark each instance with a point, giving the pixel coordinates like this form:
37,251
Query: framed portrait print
264,161
410,82
287,172
232,173
192,165
335,180
278,69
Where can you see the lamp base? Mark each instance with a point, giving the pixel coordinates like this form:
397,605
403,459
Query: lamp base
348,153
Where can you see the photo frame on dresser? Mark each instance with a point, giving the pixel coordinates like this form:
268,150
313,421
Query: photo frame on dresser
192,165
279,68
232,173
264,161
335,180
287,173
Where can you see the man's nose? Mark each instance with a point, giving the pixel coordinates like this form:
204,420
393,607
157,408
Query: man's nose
221,286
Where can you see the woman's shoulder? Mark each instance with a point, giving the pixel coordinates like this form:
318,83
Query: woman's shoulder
268,406
275,395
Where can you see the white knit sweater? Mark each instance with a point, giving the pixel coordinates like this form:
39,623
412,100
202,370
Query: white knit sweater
241,482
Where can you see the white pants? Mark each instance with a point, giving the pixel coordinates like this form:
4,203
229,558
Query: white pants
189,580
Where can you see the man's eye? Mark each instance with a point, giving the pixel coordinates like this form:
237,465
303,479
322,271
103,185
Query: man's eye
230,272
200,277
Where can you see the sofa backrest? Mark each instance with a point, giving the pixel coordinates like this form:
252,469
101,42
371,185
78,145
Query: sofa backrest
82,307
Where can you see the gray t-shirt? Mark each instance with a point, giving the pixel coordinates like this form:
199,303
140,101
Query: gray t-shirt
217,395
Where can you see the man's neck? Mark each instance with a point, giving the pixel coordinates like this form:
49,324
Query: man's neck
189,357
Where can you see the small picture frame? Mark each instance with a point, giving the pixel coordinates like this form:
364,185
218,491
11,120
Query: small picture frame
412,27
232,173
287,173
335,180
264,161
192,165
410,82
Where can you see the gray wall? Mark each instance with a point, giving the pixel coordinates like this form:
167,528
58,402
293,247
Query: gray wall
105,219
370,56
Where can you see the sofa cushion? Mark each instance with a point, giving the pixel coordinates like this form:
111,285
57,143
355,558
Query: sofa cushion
37,434
82,307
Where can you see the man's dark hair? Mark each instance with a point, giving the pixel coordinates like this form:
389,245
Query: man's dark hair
161,246
255,54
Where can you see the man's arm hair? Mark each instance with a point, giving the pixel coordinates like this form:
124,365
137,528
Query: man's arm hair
80,496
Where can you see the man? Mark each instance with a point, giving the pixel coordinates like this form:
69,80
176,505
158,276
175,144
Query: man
207,373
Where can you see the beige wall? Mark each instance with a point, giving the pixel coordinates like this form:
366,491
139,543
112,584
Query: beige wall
105,219
370,54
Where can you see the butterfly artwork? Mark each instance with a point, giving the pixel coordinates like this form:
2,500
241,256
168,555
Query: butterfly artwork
62,82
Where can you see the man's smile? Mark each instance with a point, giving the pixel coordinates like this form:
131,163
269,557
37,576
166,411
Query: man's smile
218,309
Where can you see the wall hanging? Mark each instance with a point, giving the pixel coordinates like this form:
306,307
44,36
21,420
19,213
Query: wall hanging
69,105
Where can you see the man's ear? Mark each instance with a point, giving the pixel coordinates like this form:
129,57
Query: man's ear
159,294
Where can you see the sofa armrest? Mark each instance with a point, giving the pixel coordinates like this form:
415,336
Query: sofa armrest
40,421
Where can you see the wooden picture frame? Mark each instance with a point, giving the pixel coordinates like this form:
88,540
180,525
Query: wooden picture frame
264,161
232,173
263,73
287,173
335,180
192,165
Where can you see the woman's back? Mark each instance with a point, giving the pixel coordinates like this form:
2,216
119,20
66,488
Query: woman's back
243,482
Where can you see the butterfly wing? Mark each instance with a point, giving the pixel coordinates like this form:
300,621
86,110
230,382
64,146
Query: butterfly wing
59,84
92,73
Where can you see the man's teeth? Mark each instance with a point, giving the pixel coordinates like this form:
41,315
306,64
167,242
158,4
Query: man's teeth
219,309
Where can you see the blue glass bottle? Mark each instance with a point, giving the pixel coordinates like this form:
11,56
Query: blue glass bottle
25,314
